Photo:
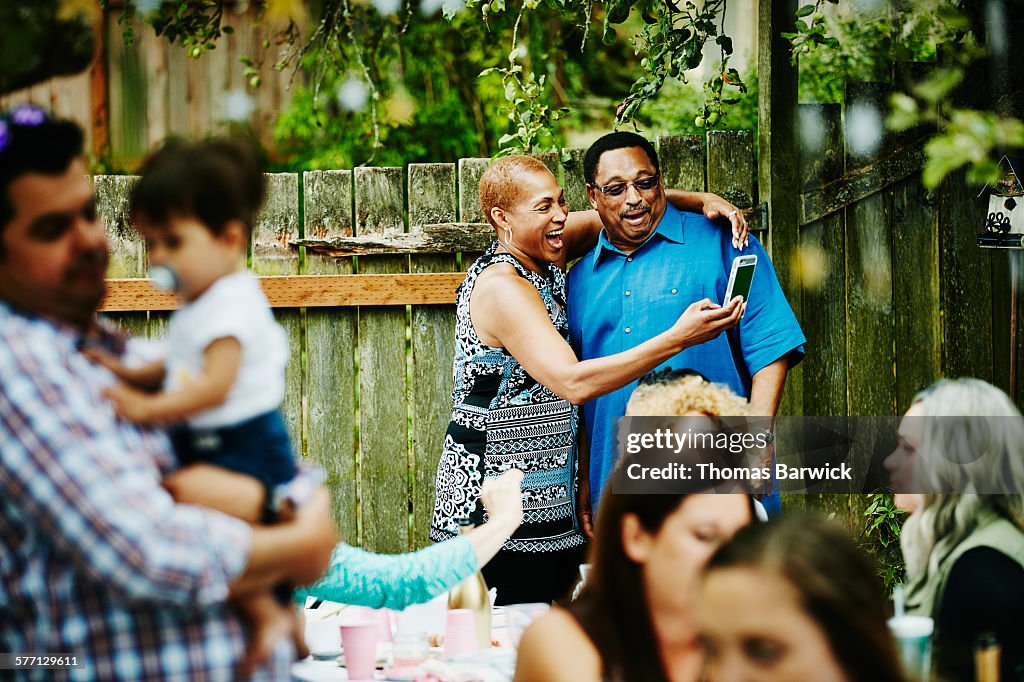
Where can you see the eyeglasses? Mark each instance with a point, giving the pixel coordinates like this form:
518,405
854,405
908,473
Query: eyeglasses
641,185
25,115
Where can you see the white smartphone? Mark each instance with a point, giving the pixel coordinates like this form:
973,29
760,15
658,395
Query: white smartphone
740,278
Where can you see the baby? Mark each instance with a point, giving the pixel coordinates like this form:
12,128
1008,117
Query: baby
221,383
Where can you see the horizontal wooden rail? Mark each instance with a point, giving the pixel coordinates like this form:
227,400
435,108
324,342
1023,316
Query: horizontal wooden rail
305,291
433,238
439,238
863,182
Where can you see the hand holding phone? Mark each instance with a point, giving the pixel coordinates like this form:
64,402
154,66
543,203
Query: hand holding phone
740,278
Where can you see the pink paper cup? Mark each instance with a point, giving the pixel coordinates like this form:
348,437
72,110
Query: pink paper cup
460,633
383,618
359,640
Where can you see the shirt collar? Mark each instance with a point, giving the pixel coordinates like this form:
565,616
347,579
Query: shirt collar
670,227
98,334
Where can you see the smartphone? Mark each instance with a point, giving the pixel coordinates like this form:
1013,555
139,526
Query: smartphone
740,278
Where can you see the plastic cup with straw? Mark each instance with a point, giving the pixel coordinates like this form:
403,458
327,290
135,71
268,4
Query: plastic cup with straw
913,638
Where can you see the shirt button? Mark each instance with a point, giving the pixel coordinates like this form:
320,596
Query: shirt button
627,293
674,291
627,330
629,259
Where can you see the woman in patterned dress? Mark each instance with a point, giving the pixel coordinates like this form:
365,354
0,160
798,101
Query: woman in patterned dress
518,382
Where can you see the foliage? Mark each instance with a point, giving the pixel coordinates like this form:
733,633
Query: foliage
882,524
860,54
674,109
532,120
673,41
668,40
963,135
24,28
195,24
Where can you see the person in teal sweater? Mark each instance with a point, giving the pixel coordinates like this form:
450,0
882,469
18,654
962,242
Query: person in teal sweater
395,581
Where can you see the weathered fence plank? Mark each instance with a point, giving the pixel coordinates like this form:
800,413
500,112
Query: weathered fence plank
822,263
573,182
431,200
870,327
916,289
127,94
966,284
447,237
127,249
178,102
861,183
778,162
731,166
154,50
330,374
470,171
383,413
682,162
276,225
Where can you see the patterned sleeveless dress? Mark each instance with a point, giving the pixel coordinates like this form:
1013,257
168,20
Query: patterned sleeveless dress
503,418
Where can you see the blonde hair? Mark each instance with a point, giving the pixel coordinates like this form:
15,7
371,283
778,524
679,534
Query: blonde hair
500,186
671,396
973,439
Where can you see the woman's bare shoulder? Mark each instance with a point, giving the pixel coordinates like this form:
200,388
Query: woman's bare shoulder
555,648
499,282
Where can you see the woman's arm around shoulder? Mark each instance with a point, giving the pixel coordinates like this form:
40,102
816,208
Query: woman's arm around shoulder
556,649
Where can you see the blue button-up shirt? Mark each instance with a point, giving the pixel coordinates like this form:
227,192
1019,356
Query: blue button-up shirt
617,301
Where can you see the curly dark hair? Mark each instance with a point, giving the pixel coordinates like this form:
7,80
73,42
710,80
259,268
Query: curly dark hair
214,181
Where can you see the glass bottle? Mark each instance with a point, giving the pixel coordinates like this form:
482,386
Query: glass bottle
986,658
472,594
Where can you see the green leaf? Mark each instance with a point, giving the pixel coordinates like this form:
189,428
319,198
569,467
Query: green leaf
938,84
943,157
805,10
609,36
618,12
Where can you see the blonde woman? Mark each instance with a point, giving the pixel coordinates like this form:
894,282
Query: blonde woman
960,467
635,617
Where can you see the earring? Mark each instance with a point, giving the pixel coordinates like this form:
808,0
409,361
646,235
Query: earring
508,236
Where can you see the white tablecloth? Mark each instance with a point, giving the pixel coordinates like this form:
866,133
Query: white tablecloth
494,665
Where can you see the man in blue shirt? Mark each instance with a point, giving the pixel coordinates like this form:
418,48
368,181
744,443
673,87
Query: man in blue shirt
650,262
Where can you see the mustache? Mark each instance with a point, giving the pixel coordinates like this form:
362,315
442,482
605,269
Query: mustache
634,209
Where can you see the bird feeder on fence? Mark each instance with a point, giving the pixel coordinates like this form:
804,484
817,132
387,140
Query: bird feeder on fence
1004,220
1004,229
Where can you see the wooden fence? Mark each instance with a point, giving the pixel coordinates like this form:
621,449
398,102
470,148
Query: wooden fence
886,278
134,96
907,296
369,384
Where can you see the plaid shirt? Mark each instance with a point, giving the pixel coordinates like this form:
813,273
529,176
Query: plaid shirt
96,560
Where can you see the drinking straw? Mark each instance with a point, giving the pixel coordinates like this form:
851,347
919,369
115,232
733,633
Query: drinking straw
898,600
